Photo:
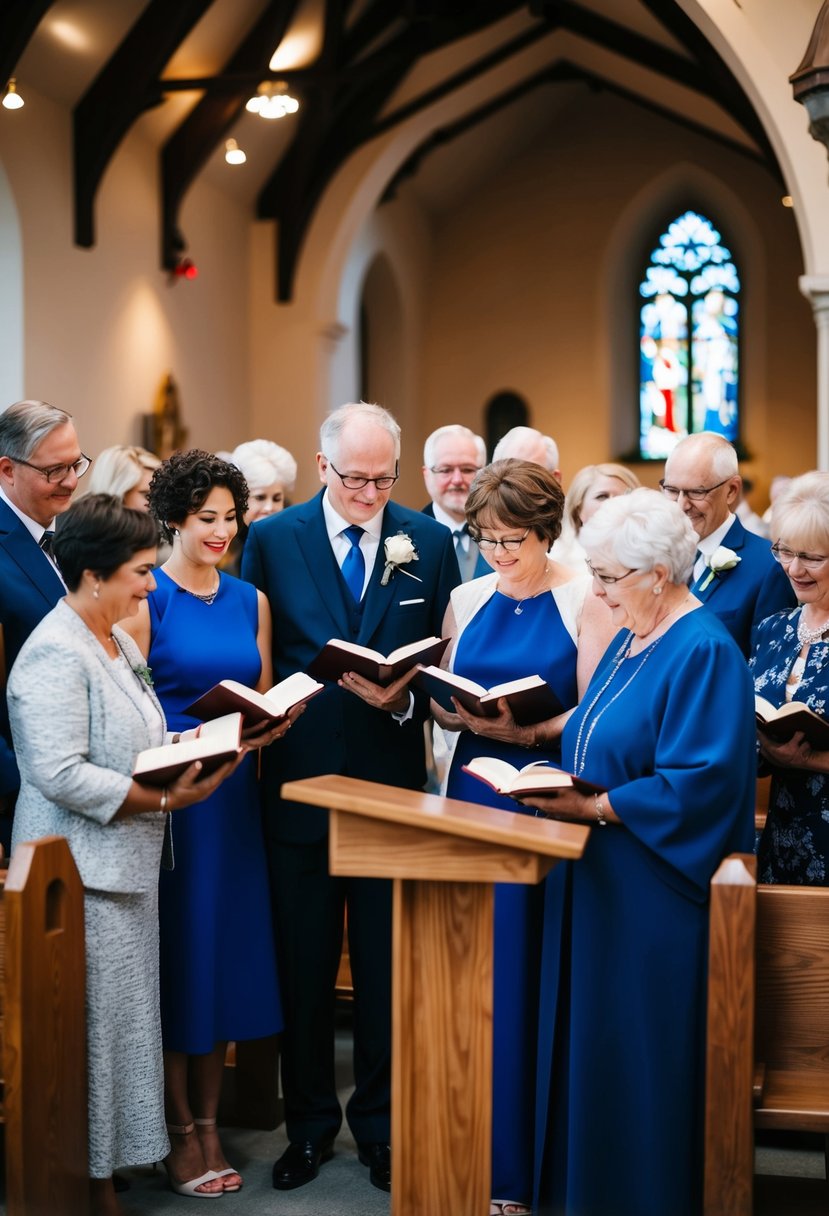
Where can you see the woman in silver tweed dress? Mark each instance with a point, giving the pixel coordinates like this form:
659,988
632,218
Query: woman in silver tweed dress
82,706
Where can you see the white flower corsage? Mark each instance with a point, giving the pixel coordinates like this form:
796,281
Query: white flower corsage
721,559
399,551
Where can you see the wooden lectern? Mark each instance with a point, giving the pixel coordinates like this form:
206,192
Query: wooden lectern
443,856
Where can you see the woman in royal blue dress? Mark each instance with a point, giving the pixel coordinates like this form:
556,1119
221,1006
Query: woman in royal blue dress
529,617
218,965
791,663
666,727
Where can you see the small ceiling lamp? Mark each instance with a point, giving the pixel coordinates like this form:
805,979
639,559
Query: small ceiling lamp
11,98
810,83
234,155
272,100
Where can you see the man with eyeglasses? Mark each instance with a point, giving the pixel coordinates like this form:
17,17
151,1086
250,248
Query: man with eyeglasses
40,463
744,585
452,455
342,566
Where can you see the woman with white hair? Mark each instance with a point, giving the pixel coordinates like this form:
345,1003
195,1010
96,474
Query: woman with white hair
665,732
270,472
791,664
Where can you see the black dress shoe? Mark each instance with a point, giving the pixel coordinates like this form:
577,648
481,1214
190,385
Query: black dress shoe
378,1159
300,1163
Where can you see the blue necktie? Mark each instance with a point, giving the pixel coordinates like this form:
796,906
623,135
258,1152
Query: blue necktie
354,566
46,539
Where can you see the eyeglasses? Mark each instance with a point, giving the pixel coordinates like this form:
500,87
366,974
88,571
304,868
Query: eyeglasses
511,545
357,483
696,495
784,555
607,579
446,470
57,472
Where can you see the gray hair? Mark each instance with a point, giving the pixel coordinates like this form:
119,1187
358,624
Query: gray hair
336,422
641,530
801,512
119,469
263,462
462,432
513,445
24,424
721,454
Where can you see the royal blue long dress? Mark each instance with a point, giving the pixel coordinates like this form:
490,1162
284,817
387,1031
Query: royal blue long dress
794,846
498,645
671,736
218,962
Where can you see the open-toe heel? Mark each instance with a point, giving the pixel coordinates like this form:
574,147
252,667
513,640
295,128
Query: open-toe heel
190,1186
231,1178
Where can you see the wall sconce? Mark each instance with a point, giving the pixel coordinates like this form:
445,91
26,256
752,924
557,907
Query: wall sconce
272,100
810,83
185,268
11,98
234,155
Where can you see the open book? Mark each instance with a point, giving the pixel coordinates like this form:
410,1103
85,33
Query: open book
217,742
537,778
781,722
337,657
229,696
530,699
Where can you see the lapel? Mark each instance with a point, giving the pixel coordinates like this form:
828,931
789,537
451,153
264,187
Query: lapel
21,547
733,539
378,598
315,547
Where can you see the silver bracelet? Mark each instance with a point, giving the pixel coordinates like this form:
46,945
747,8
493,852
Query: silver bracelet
164,799
600,812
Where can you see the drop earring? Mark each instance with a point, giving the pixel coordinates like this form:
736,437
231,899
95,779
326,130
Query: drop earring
96,592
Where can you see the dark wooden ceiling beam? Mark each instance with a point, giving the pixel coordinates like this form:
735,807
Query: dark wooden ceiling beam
193,141
122,90
18,21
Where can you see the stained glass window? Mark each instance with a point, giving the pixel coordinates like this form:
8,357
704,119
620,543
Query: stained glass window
688,338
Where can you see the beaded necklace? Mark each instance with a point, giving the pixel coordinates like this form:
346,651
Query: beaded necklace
580,753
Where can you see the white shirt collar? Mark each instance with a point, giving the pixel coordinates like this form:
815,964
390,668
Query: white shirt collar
31,525
336,525
444,518
709,543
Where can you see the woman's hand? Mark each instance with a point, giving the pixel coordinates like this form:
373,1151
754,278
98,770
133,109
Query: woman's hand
190,787
256,737
502,726
569,805
796,752
393,698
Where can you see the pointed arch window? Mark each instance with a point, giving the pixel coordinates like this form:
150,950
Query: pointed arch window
689,330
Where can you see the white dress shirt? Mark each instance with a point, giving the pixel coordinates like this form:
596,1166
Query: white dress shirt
709,544
341,545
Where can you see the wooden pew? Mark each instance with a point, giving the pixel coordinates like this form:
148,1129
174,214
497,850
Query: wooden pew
44,1032
768,1025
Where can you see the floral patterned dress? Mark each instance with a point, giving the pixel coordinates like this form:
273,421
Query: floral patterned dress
794,846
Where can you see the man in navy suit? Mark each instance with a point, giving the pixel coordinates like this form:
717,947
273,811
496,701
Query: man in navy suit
452,455
735,574
40,463
322,566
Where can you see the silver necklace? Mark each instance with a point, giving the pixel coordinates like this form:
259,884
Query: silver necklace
519,608
207,598
580,753
806,636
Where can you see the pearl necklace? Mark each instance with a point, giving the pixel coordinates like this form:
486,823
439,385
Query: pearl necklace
806,636
580,753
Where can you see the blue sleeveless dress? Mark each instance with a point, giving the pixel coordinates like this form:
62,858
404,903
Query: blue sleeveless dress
218,962
498,645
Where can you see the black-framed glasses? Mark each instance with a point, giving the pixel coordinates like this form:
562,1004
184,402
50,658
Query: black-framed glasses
57,472
696,494
608,579
445,470
785,555
357,483
511,545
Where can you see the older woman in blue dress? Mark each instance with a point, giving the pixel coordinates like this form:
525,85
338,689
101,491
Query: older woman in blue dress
791,664
76,768
678,775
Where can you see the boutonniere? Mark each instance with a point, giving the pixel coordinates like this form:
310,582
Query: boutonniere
721,559
399,551
144,673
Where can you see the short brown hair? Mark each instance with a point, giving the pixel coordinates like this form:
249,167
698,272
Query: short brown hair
518,494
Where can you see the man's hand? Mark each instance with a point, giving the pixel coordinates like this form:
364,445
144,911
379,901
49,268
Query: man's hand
394,698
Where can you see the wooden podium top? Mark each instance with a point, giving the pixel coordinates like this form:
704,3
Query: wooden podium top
446,816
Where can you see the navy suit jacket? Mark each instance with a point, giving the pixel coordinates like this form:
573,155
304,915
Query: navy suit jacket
289,557
750,591
482,566
29,588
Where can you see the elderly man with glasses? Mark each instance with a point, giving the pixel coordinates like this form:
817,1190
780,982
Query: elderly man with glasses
348,564
40,464
735,574
452,455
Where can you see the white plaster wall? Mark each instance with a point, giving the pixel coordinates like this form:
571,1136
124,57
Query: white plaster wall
11,298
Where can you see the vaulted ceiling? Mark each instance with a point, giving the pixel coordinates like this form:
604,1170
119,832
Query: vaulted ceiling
182,71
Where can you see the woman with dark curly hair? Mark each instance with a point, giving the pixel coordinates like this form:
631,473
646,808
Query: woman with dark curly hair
218,968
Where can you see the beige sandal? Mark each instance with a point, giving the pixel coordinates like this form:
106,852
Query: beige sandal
230,1173
191,1185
